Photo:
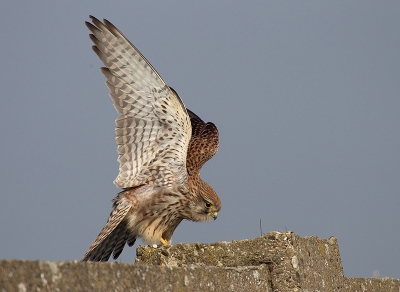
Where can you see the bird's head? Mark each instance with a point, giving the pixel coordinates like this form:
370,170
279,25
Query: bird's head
206,204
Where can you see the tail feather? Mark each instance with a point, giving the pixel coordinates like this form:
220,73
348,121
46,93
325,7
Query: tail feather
131,240
107,247
112,244
113,236
120,241
109,244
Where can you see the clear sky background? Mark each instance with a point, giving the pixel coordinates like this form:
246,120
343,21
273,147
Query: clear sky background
306,96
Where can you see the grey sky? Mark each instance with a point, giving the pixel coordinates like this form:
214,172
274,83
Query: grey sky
306,96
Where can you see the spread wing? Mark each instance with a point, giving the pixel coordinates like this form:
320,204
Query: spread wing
203,144
153,129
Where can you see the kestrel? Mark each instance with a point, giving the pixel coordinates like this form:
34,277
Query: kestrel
161,145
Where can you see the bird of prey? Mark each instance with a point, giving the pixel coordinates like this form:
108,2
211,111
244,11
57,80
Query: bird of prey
161,145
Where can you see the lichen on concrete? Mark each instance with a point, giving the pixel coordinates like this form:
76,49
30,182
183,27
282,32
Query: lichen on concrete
289,258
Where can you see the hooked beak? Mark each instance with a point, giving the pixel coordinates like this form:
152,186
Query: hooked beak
215,215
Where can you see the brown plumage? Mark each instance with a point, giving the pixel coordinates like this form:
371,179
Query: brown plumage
161,146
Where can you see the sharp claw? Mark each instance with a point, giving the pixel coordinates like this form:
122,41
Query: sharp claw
163,241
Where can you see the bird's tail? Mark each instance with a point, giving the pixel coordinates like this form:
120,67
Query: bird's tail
113,236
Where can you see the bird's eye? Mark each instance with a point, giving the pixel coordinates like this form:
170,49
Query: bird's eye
208,205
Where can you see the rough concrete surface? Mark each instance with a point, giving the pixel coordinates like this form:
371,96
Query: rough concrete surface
19,275
277,261
372,284
308,263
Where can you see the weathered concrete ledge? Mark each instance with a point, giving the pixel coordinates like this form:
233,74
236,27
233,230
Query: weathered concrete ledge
277,261
295,263
19,275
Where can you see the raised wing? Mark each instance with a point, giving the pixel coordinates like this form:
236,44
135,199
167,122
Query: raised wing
153,129
203,144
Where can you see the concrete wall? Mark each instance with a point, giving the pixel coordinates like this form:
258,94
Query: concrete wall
277,261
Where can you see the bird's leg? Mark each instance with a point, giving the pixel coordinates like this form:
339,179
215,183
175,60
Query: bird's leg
163,241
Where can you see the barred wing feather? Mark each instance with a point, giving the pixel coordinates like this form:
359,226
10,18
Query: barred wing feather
153,129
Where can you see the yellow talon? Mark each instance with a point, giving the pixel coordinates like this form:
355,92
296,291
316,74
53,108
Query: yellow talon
163,241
